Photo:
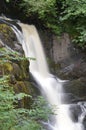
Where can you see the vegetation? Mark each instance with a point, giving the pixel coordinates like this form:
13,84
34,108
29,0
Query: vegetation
74,19
57,15
12,117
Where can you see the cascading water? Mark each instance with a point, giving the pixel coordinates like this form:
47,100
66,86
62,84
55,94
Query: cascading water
51,87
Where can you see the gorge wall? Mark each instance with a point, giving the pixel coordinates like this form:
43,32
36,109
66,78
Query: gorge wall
67,62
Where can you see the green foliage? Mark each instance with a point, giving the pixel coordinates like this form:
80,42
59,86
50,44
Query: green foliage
74,8
74,19
44,10
57,15
41,7
60,16
12,118
43,113
7,54
7,113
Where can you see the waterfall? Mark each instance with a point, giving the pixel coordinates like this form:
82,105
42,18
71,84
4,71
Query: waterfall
51,87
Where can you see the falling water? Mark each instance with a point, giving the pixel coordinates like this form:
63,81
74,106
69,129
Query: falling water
51,87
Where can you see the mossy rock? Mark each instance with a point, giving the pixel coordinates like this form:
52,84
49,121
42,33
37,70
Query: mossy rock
8,37
24,87
21,70
6,68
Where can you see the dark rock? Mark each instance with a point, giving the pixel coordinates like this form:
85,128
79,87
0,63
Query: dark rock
77,87
73,71
68,98
12,79
75,112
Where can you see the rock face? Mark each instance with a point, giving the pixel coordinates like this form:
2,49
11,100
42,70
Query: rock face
67,62
13,63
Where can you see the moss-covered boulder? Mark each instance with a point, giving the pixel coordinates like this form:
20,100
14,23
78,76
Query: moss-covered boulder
14,64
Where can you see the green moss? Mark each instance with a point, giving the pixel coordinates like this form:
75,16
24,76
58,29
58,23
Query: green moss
7,35
20,70
24,66
5,30
24,87
6,68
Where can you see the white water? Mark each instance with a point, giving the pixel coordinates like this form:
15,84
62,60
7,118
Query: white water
51,87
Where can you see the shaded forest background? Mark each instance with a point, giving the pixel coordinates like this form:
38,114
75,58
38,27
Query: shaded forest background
58,16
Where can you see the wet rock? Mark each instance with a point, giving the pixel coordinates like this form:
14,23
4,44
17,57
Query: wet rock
68,98
1,44
73,71
77,87
84,123
9,38
18,48
9,21
75,112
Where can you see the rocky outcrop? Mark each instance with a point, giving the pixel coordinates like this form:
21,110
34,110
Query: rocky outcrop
14,64
67,62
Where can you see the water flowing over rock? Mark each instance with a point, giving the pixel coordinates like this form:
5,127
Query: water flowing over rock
66,61
70,67
64,94
14,64
50,86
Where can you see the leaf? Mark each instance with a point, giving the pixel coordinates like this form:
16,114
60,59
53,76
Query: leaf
8,1
21,95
